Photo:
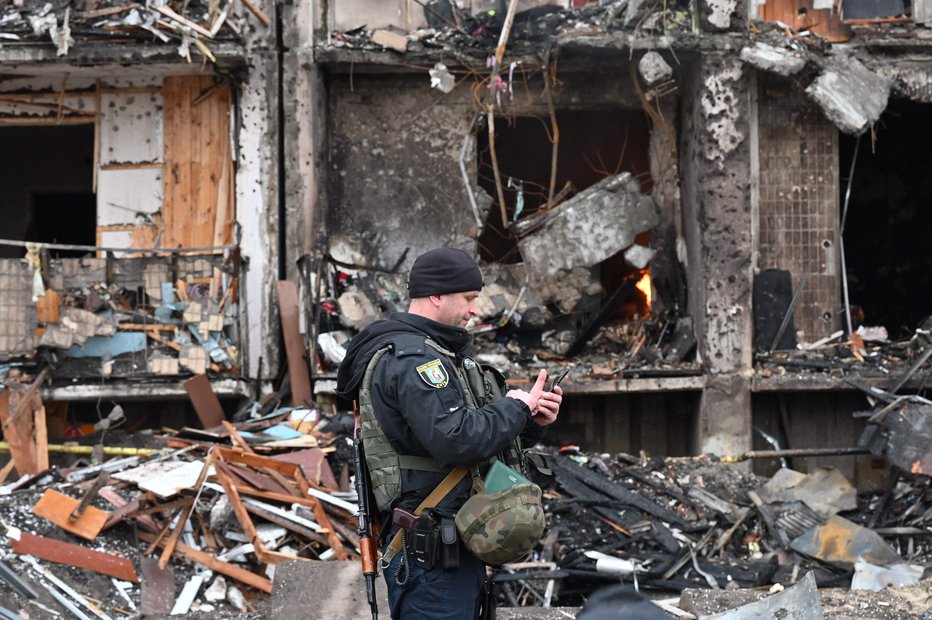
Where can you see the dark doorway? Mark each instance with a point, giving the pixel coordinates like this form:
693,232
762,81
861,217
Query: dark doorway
46,172
889,220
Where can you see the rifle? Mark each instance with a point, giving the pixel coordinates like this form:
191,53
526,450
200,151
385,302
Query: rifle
369,554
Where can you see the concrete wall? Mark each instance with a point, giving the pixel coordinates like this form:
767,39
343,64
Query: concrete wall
394,183
717,228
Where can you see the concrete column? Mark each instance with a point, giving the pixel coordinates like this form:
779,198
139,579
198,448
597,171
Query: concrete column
718,232
257,188
304,104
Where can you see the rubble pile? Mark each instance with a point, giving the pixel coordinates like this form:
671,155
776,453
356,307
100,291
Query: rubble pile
153,316
196,522
451,28
73,24
672,524
516,328
869,352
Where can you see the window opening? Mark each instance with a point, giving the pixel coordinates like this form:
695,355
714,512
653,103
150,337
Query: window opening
889,222
46,173
593,145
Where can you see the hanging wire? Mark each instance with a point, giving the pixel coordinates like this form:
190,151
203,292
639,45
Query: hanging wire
841,235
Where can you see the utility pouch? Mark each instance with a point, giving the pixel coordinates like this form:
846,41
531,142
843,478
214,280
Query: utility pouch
433,540
449,547
424,541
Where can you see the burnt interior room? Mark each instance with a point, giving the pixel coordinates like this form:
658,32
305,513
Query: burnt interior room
46,172
799,420
889,222
658,423
593,145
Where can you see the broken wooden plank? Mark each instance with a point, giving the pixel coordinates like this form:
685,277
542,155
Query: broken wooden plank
314,464
41,434
125,508
172,15
224,568
17,409
237,438
206,404
254,478
74,555
57,507
89,496
255,10
295,349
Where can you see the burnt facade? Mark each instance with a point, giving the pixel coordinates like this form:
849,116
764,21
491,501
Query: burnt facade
740,124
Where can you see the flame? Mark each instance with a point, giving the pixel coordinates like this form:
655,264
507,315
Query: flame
644,286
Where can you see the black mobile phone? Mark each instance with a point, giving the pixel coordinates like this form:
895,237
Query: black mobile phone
559,378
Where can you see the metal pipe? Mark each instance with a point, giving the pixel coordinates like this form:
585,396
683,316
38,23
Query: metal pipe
108,450
774,454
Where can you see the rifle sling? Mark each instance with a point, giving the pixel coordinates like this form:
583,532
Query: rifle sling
446,485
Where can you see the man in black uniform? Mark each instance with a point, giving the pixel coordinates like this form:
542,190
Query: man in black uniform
411,373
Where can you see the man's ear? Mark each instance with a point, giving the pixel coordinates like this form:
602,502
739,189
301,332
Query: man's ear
435,299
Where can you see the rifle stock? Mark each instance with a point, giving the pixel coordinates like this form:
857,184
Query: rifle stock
368,549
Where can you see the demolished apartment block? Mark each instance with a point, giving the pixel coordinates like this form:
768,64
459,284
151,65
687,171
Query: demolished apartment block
707,210
141,203
679,202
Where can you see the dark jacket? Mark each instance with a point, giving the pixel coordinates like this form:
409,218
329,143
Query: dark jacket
422,407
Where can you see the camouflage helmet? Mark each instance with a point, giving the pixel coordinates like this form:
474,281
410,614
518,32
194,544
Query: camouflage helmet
502,527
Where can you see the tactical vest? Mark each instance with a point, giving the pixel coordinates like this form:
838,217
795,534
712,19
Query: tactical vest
384,463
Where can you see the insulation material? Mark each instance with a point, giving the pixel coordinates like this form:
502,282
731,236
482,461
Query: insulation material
130,127
124,196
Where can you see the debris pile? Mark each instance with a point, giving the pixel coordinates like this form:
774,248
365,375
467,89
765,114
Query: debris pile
593,300
210,510
93,318
673,524
868,353
453,29
74,24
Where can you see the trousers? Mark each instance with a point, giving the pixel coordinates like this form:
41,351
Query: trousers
437,594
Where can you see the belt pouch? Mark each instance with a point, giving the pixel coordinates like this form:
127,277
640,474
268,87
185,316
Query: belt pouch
449,543
424,541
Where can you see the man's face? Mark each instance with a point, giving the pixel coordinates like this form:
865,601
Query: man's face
457,308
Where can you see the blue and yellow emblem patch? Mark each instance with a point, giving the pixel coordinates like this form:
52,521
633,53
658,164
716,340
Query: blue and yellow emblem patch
434,374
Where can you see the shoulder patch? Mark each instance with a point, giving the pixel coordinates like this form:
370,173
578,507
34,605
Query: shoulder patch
434,374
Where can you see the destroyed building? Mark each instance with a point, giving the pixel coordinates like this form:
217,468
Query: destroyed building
712,212
761,163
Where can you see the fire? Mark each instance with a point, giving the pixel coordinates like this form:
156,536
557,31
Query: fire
643,285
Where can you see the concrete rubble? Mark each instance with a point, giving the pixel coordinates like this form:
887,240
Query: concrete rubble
588,228
851,96
248,507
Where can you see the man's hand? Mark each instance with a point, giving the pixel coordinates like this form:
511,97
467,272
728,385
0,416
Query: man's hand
544,406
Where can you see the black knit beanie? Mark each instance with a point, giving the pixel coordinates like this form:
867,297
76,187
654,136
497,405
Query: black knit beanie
441,271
